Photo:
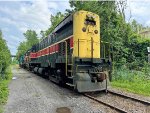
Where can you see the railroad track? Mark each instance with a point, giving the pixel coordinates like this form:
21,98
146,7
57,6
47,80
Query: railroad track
129,97
112,106
106,104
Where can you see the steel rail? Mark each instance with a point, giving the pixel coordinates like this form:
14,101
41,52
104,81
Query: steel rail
106,104
129,97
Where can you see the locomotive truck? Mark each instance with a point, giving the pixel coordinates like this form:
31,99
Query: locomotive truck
73,54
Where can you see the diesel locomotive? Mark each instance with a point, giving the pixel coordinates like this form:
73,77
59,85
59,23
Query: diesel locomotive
73,54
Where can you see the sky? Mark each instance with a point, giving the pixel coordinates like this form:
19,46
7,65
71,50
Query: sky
18,16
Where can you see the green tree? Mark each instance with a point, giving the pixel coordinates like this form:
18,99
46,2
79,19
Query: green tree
5,58
22,48
31,39
55,20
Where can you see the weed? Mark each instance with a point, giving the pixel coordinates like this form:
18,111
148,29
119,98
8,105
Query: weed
132,80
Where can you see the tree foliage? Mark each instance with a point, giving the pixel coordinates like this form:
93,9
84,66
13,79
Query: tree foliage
31,39
55,20
5,58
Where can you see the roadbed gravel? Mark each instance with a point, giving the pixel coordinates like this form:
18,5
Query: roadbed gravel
30,93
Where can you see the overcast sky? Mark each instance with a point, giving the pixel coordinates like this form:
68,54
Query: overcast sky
18,16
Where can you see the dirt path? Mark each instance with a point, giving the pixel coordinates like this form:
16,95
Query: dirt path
30,93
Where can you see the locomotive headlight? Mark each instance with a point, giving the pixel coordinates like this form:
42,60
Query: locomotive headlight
84,29
96,31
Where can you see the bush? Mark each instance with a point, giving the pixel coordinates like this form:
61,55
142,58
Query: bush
4,88
5,71
136,81
5,58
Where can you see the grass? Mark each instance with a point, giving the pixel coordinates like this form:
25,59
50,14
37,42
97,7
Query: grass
4,88
142,88
137,82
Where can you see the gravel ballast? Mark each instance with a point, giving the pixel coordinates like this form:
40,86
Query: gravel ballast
30,93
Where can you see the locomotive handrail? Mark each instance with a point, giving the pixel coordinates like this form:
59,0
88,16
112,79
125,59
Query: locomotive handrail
104,49
66,56
72,65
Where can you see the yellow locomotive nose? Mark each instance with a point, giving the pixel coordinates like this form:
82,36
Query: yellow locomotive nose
86,35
